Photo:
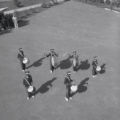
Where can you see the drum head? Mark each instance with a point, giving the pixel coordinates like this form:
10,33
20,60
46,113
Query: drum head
25,60
74,88
30,89
98,68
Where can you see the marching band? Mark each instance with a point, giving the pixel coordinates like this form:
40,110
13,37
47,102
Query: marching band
71,86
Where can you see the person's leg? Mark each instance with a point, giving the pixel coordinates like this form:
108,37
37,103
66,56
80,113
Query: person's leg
67,94
23,66
33,93
29,95
94,73
52,69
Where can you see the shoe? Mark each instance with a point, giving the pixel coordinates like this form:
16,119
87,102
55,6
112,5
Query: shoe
28,98
33,96
94,76
70,98
66,99
51,71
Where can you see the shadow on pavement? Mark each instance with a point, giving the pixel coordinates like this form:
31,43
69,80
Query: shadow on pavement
22,23
82,86
37,63
103,69
65,64
45,87
84,65
5,32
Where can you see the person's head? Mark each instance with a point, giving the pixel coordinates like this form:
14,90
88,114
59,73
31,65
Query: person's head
20,49
51,50
74,52
68,73
95,58
27,72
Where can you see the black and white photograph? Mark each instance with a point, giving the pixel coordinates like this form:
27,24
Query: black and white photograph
59,59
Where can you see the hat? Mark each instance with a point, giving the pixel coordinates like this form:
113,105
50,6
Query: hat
20,48
27,72
68,73
74,51
51,49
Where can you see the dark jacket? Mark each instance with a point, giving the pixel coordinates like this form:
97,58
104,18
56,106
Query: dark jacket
21,55
95,63
27,81
68,81
54,55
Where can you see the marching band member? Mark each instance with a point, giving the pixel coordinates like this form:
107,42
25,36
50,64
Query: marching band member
96,67
28,83
21,58
14,19
68,83
53,56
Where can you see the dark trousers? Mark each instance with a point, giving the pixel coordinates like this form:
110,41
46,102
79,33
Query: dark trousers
23,66
52,68
94,72
68,91
74,68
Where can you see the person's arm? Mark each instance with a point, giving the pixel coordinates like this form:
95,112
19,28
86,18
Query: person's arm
30,79
26,83
47,55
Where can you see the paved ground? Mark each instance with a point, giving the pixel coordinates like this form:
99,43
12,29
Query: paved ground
70,26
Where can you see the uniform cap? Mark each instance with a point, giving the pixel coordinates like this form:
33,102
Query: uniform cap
68,73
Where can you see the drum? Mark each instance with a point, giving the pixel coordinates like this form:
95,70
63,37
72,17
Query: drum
30,89
74,88
98,69
26,60
53,61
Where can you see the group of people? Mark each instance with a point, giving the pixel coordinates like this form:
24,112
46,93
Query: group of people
71,87
7,21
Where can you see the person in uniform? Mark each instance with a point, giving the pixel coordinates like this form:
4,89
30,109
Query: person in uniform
28,83
68,82
21,57
96,68
53,56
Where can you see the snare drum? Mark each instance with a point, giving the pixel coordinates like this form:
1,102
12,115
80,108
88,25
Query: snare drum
98,69
26,60
74,88
30,89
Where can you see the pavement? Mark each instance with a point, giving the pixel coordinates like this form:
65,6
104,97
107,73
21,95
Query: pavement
70,26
